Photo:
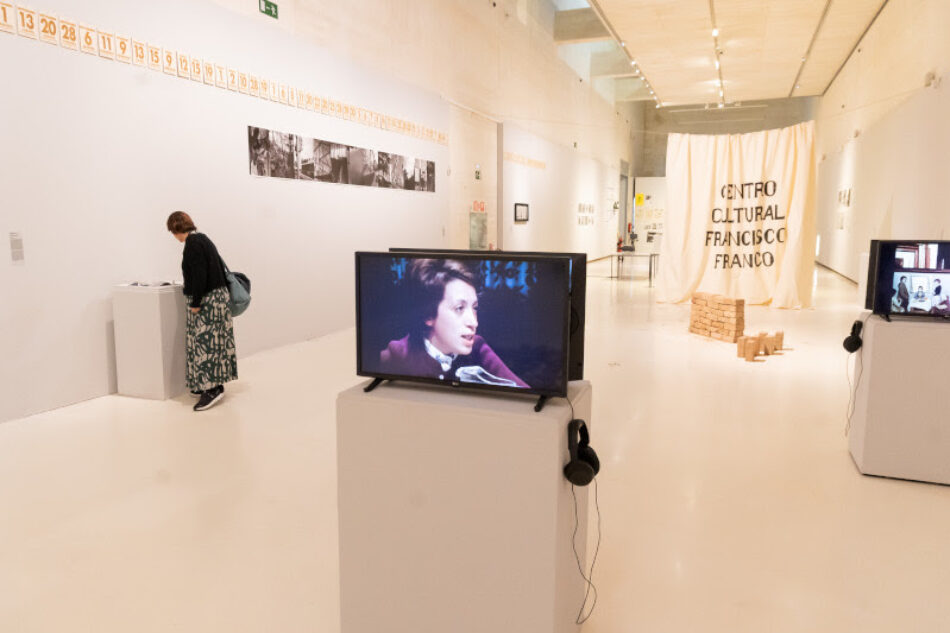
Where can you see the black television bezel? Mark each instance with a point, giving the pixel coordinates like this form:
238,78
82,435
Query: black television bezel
879,303
475,256
578,294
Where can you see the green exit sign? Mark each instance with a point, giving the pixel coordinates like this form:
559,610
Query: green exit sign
268,8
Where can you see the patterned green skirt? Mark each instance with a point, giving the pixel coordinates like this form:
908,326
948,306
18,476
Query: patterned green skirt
210,355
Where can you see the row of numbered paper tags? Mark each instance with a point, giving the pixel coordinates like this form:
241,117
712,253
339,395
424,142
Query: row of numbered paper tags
79,37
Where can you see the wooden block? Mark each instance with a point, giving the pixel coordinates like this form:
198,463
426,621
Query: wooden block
760,343
750,349
780,339
740,347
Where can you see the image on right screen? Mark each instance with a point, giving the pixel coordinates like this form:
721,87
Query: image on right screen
910,278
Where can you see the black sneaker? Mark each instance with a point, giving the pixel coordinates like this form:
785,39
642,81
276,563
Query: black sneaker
197,393
210,398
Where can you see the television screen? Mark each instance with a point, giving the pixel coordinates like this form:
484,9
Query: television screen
578,290
490,321
908,277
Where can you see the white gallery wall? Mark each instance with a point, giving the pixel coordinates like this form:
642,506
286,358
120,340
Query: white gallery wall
896,173
883,136
97,153
473,181
560,186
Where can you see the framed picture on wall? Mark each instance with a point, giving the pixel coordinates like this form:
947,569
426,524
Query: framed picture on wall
521,212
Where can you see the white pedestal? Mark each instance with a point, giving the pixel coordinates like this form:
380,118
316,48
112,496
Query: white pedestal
900,423
455,516
149,340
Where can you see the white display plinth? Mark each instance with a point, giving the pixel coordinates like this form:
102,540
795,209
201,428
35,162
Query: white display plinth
900,423
454,512
149,340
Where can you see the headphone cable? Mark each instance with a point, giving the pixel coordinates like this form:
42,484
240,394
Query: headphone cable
588,579
853,391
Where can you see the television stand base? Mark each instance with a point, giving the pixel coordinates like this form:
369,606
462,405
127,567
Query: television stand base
540,404
376,382
886,317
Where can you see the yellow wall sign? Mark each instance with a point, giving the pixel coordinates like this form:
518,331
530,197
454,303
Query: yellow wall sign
639,200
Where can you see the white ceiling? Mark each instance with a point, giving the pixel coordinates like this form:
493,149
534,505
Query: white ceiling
762,43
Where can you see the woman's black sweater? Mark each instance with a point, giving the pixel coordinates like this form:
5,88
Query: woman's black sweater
201,267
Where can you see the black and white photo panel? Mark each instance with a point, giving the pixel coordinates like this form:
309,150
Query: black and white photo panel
281,150
384,170
257,144
273,154
361,165
399,174
305,161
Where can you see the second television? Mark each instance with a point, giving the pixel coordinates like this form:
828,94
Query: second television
485,321
909,278
578,296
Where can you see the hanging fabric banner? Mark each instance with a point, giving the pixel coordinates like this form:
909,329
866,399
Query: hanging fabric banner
740,216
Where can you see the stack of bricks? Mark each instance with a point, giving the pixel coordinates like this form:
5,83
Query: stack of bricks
749,347
717,317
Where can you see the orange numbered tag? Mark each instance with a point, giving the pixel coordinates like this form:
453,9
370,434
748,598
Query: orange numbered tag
184,66
7,18
273,91
26,22
169,62
253,86
308,101
123,49
242,83
265,89
139,53
154,57
49,29
106,45
207,73
68,34
232,79
220,76
87,40
195,69
282,93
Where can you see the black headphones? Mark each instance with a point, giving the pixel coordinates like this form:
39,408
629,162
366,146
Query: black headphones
584,464
853,341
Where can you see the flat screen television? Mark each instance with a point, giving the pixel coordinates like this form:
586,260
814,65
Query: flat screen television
909,278
578,290
492,321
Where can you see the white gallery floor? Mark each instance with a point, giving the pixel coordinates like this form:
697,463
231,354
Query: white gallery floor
729,500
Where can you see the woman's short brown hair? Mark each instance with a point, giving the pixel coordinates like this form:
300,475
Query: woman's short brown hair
428,278
180,222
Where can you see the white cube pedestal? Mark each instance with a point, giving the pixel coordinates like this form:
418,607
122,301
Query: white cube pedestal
149,340
900,423
454,512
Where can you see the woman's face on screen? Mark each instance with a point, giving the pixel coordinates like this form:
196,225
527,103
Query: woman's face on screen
455,322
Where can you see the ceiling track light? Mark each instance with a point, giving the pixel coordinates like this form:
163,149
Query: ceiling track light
599,12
